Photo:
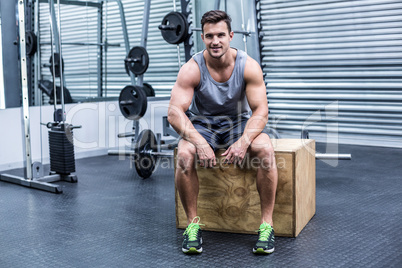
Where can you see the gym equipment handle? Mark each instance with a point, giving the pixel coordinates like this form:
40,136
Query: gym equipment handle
127,134
126,102
333,156
167,28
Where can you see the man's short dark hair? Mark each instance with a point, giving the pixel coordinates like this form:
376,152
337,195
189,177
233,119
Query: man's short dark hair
215,16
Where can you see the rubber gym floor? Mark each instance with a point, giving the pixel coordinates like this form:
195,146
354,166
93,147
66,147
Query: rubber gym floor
113,218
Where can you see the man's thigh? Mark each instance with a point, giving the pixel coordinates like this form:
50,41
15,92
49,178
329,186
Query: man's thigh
221,131
207,128
232,130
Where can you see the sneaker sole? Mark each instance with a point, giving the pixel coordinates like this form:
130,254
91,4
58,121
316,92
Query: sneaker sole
261,251
192,251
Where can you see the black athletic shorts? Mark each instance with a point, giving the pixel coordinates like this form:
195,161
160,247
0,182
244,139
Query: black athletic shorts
219,131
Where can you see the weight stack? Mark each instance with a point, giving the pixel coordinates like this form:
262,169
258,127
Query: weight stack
61,148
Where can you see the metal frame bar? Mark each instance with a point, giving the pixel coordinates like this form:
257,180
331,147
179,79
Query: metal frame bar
333,156
53,34
178,45
37,69
31,183
217,4
100,53
24,88
86,44
77,3
53,26
144,34
2,91
61,65
243,26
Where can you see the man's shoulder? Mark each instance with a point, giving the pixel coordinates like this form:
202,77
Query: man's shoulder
190,66
250,62
251,68
189,73
238,53
198,56
241,52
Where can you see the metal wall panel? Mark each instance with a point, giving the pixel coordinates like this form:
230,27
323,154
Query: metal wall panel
80,24
334,67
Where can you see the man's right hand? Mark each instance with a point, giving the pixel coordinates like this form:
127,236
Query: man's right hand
206,156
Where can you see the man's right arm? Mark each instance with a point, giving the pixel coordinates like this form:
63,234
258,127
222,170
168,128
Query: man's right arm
180,100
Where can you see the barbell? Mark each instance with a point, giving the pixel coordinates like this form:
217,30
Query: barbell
306,135
147,151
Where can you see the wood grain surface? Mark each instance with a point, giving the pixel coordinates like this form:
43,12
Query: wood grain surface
228,200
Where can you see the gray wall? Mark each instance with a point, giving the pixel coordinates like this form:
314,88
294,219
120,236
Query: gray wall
12,89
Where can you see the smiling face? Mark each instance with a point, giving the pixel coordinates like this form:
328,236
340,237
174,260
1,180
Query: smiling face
216,37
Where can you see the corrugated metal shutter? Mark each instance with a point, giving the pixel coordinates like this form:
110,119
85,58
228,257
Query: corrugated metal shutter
345,56
80,24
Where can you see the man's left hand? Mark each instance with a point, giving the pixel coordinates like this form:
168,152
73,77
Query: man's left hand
236,152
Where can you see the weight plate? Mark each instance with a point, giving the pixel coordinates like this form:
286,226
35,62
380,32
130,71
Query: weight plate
137,60
127,70
31,43
174,28
149,90
133,102
145,162
56,64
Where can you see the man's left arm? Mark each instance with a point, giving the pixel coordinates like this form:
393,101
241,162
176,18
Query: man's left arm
257,99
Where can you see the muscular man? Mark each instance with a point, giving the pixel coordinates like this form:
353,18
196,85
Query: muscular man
210,108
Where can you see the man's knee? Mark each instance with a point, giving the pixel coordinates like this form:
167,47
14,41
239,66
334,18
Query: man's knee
185,155
262,149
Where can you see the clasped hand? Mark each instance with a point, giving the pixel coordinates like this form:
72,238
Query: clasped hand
236,152
206,156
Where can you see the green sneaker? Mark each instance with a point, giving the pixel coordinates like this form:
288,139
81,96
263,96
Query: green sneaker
192,238
266,240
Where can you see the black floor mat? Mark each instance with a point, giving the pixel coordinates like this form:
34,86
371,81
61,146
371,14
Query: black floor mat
113,218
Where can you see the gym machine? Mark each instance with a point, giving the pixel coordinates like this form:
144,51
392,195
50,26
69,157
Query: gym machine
62,161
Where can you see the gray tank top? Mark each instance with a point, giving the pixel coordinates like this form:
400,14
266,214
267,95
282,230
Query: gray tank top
212,98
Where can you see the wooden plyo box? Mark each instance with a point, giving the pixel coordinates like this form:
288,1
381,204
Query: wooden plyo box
228,200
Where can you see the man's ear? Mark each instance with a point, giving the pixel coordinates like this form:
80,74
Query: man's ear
231,34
